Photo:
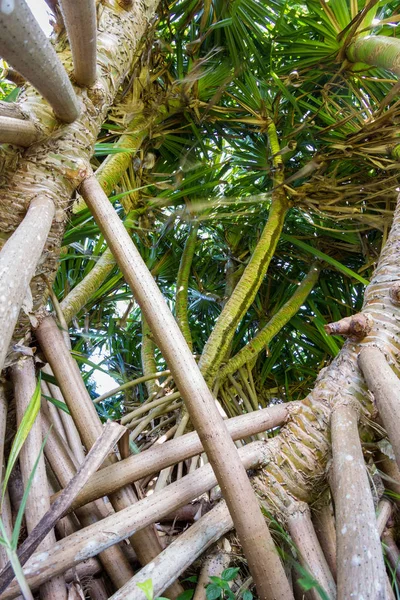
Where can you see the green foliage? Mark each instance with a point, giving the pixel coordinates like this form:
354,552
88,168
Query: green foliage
220,588
24,428
234,67
147,589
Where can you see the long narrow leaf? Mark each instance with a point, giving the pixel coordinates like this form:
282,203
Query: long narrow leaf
21,510
331,261
23,431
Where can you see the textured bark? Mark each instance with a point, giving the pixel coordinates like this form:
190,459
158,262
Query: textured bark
312,558
18,260
110,479
357,326
218,343
249,523
360,566
146,543
250,351
299,455
57,164
179,555
102,447
64,466
82,292
10,109
80,20
213,566
94,539
385,386
24,45
377,51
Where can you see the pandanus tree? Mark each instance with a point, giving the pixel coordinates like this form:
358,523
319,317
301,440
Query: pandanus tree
195,195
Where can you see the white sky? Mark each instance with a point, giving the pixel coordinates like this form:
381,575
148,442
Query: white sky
41,12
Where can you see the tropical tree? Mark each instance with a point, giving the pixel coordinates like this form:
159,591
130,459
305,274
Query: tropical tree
200,200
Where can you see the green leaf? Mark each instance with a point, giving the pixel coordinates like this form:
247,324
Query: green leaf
230,574
21,510
12,96
213,591
58,403
192,579
147,588
187,594
48,378
223,23
216,580
247,595
331,261
23,431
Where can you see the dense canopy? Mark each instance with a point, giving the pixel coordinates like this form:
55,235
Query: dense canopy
249,150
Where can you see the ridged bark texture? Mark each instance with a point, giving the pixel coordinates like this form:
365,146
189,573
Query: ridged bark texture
94,539
263,337
10,109
82,292
64,467
58,164
246,290
24,45
137,466
299,455
146,543
377,51
175,559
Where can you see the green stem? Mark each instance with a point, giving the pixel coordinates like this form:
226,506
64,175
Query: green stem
182,285
279,320
110,171
84,290
149,365
376,51
246,290
130,384
19,574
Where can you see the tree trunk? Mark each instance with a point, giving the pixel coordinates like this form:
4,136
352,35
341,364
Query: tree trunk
58,163
377,51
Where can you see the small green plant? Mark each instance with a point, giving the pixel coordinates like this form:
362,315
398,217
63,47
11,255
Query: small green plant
219,586
148,590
